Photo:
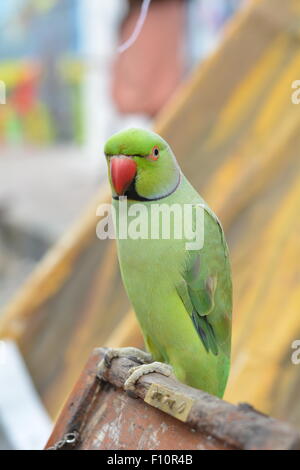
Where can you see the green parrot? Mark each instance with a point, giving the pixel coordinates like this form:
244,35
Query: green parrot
182,296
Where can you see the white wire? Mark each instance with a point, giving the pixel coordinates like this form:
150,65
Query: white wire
138,27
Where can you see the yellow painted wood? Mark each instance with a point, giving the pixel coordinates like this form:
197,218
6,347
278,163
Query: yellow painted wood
266,322
51,272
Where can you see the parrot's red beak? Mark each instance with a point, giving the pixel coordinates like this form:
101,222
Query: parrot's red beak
123,171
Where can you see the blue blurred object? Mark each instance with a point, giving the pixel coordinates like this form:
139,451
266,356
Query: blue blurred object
30,30
206,19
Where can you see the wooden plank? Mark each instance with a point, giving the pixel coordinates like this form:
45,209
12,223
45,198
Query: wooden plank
101,416
267,296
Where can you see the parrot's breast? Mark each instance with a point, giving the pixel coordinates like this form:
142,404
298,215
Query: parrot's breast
152,268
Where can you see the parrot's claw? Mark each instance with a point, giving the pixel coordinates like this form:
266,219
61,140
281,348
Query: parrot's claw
137,355
135,373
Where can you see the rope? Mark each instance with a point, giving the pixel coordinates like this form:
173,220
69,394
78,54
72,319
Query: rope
138,27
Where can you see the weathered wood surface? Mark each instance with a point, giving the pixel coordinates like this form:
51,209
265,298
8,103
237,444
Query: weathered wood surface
104,417
236,134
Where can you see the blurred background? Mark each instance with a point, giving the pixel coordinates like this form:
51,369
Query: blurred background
67,90
214,77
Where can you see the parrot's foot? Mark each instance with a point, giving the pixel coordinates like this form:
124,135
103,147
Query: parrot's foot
137,355
137,372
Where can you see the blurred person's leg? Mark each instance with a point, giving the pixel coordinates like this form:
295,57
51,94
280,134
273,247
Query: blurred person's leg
146,75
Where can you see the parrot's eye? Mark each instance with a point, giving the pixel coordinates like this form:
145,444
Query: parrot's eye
155,153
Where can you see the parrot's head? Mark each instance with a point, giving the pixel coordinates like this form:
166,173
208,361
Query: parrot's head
141,165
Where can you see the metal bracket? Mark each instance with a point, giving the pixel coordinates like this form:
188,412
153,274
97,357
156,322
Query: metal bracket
172,403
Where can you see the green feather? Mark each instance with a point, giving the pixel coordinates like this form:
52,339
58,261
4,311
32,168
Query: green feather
182,298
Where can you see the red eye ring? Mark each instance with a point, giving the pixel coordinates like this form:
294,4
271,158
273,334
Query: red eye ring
155,153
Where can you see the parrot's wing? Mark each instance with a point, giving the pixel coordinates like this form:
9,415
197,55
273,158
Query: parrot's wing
205,287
